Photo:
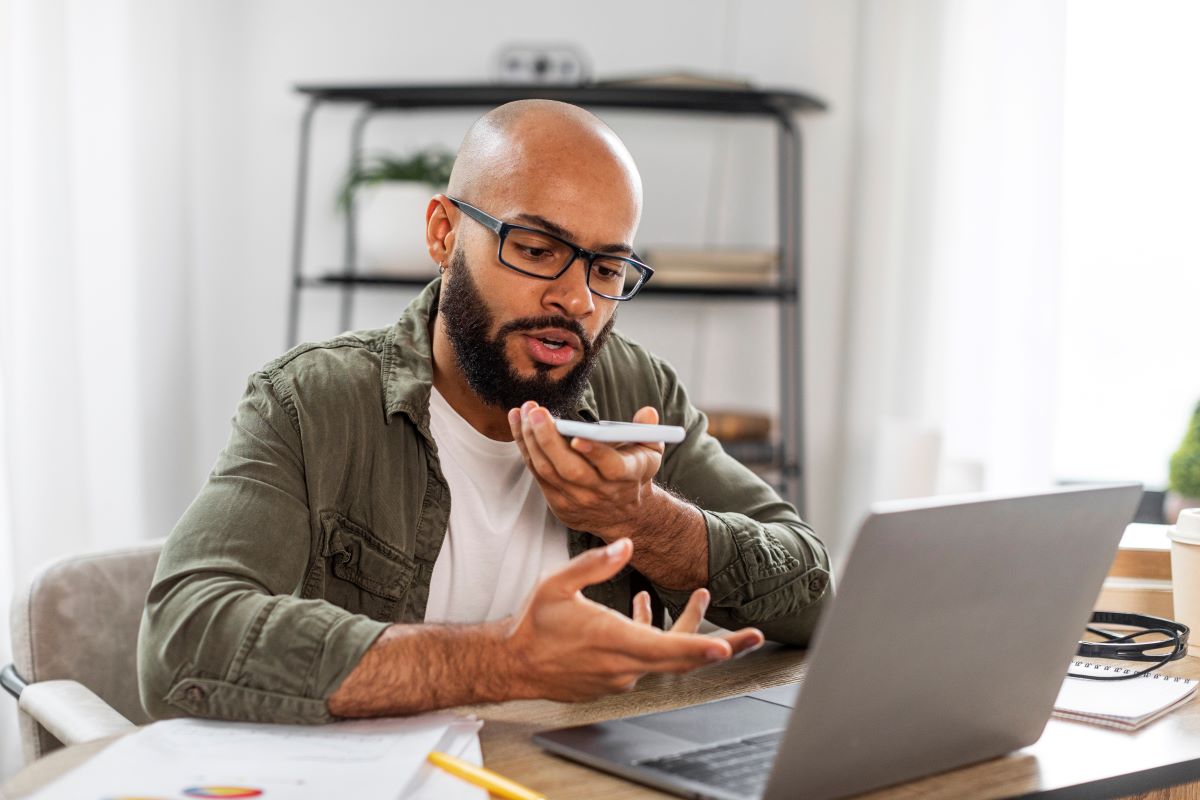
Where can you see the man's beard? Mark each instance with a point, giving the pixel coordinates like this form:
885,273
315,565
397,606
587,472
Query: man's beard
484,360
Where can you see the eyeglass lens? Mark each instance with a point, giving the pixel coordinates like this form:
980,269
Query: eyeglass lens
539,254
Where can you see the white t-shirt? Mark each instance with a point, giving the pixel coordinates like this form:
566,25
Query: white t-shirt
501,536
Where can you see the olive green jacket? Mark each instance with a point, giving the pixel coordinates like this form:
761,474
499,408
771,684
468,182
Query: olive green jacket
323,516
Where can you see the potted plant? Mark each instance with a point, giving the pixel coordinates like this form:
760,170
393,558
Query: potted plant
390,194
1183,481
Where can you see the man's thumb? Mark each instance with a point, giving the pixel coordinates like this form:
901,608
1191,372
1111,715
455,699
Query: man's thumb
596,565
646,415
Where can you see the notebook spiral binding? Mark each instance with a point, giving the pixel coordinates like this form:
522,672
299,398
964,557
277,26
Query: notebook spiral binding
1110,668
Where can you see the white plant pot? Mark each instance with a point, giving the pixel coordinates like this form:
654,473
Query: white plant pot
391,229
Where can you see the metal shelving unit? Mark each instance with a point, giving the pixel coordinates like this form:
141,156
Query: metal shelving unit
782,107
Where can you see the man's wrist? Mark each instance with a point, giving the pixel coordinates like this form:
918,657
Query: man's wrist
415,668
670,540
652,507
504,673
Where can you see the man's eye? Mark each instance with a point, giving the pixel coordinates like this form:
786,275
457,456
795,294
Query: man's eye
607,272
535,252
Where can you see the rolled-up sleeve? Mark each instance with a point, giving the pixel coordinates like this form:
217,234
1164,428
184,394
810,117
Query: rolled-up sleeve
223,633
766,566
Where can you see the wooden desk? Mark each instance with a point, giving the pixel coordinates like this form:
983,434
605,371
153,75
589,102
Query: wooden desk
1071,760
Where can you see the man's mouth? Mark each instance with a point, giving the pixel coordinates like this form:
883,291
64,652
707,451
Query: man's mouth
551,348
555,337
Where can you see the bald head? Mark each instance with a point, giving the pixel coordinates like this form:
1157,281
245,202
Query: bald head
535,155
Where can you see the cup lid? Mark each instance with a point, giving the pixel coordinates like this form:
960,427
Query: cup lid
1187,528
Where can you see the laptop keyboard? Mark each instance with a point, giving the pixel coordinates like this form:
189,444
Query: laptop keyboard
741,767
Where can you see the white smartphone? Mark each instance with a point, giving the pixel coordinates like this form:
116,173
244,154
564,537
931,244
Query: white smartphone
605,431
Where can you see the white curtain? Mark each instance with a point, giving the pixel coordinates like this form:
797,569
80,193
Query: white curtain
94,351
951,303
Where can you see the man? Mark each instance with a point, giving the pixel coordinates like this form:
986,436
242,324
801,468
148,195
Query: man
395,525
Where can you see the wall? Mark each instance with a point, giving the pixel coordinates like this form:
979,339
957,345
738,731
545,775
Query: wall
242,120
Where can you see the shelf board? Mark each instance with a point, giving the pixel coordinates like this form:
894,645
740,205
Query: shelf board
367,279
667,291
660,98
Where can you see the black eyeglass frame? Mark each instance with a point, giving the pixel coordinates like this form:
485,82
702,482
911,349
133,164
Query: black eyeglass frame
502,228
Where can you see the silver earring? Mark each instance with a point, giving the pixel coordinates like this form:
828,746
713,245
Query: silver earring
441,269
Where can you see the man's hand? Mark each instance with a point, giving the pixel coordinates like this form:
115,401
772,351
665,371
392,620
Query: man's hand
610,491
568,648
590,486
561,646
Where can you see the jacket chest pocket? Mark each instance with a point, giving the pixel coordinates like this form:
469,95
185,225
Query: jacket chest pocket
362,573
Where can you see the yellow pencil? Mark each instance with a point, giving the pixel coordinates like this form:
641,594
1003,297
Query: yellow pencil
495,783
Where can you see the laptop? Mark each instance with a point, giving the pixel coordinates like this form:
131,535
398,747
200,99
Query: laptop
952,628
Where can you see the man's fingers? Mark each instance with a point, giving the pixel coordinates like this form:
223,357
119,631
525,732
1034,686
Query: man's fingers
531,453
677,665
514,424
641,608
566,462
650,644
744,640
689,619
646,415
596,565
532,450
673,652
627,461
627,683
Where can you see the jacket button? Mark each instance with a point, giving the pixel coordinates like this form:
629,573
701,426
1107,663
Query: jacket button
194,693
816,583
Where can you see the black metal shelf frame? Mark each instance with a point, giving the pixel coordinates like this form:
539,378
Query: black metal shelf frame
668,291
779,106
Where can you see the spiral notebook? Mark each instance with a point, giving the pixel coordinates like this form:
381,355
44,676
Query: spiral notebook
1127,705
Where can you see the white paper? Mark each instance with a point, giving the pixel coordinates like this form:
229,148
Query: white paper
1127,702
432,783
189,758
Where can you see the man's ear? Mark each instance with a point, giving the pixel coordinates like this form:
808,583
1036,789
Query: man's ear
439,230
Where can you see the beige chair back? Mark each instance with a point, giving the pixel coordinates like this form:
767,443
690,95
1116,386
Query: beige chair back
78,620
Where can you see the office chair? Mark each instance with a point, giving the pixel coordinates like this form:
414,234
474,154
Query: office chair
74,641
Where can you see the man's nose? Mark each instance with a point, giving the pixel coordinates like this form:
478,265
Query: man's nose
569,293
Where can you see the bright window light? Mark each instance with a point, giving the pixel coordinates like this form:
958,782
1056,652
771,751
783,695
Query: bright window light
1129,340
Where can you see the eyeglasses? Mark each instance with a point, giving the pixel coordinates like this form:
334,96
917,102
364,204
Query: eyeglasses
539,254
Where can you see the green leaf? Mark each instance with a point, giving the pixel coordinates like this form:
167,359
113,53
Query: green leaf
1184,476
430,167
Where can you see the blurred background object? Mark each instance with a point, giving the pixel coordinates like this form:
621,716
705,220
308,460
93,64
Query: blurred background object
386,190
543,64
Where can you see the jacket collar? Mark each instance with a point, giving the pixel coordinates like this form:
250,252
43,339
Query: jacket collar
407,364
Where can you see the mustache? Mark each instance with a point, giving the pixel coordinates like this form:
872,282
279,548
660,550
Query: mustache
535,323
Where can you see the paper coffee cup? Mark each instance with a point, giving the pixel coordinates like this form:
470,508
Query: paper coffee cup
1185,572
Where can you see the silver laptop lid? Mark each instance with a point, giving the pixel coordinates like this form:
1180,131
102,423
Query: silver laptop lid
948,639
